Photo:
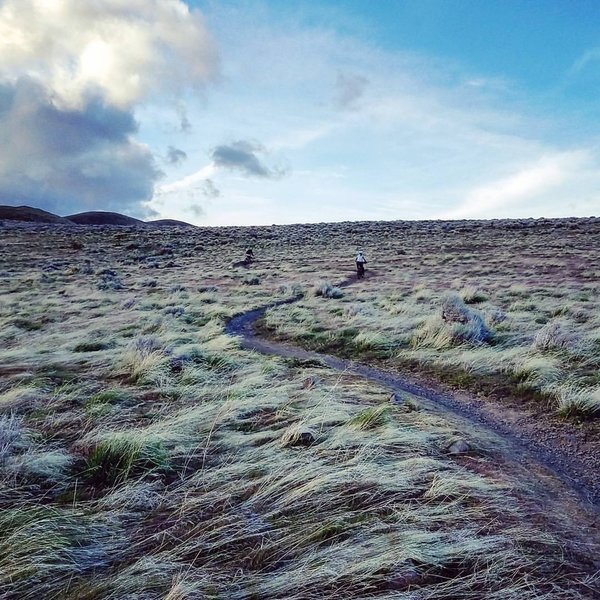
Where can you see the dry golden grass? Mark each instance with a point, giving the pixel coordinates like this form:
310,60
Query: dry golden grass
144,454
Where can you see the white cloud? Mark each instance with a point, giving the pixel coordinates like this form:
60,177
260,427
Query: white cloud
73,74
496,198
123,51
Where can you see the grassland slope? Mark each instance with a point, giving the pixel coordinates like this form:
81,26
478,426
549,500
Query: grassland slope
145,454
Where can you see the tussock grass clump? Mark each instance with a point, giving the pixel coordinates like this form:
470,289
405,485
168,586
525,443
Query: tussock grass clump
472,295
20,398
175,311
576,401
553,336
28,324
371,418
439,334
372,340
109,280
101,404
495,317
538,372
145,359
326,289
423,294
92,346
139,496
119,454
113,396
291,289
251,280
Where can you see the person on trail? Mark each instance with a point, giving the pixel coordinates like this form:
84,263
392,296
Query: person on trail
361,261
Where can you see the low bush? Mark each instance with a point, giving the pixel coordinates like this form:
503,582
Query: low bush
326,290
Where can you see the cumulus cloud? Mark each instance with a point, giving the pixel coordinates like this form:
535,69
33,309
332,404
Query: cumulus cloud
121,50
349,90
175,156
71,159
71,75
247,158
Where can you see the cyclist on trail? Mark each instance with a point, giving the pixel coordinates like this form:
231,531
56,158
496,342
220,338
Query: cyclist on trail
249,256
361,261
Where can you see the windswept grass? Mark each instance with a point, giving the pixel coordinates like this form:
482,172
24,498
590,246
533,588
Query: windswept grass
145,454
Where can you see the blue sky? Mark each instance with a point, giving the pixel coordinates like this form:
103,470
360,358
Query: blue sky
278,112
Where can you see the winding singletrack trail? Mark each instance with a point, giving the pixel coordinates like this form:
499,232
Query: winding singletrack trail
549,476
516,446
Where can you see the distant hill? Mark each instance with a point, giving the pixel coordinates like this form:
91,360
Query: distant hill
29,214
100,217
95,217
169,223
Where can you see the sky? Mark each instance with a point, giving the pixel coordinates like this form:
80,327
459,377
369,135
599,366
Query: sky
259,112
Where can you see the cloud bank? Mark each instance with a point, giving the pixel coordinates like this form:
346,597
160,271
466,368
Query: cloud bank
71,76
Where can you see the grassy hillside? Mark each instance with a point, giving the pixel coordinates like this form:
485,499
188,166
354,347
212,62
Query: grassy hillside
144,454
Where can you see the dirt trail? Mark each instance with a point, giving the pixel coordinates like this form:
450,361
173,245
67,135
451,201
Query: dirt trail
549,493
557,472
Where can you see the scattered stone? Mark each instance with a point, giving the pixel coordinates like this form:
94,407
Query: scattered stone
177,363
403,576
298,436
454,310
459,446
397,399
129,303
474,330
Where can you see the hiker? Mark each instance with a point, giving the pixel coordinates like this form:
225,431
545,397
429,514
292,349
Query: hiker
249,256
361,261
